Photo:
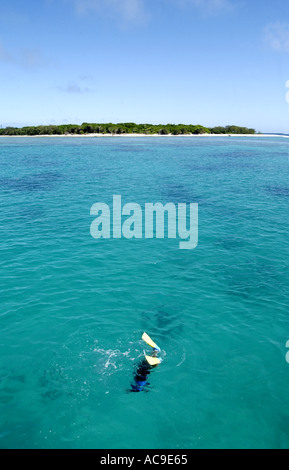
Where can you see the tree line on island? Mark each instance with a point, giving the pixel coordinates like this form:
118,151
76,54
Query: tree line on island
123,128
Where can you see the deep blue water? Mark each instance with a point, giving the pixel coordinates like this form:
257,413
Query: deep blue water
73,308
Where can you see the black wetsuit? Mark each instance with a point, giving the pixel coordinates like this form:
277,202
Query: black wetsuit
140,377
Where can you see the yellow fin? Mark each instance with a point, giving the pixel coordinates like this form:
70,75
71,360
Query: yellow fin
153,361
149,341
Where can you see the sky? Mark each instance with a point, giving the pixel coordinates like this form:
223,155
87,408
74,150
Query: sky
208,62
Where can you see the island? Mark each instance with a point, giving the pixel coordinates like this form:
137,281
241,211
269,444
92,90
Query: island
127,128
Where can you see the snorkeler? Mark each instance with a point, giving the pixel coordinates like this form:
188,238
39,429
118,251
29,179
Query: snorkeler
145,366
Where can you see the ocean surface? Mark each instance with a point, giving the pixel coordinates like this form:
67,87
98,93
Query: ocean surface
73,308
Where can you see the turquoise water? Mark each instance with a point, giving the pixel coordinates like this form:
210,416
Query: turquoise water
73,308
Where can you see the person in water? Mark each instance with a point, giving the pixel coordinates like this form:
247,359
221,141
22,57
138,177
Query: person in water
145,366
142,372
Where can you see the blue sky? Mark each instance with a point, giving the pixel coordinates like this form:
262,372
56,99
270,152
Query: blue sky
209,62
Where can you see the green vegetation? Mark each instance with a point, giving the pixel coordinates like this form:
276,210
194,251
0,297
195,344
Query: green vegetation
231,130
123,128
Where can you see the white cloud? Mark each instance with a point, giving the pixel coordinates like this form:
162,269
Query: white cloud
126,10
208,6
139,11
5,55
73,87
277,36
25,58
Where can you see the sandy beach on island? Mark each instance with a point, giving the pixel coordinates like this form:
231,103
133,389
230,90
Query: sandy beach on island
150,135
